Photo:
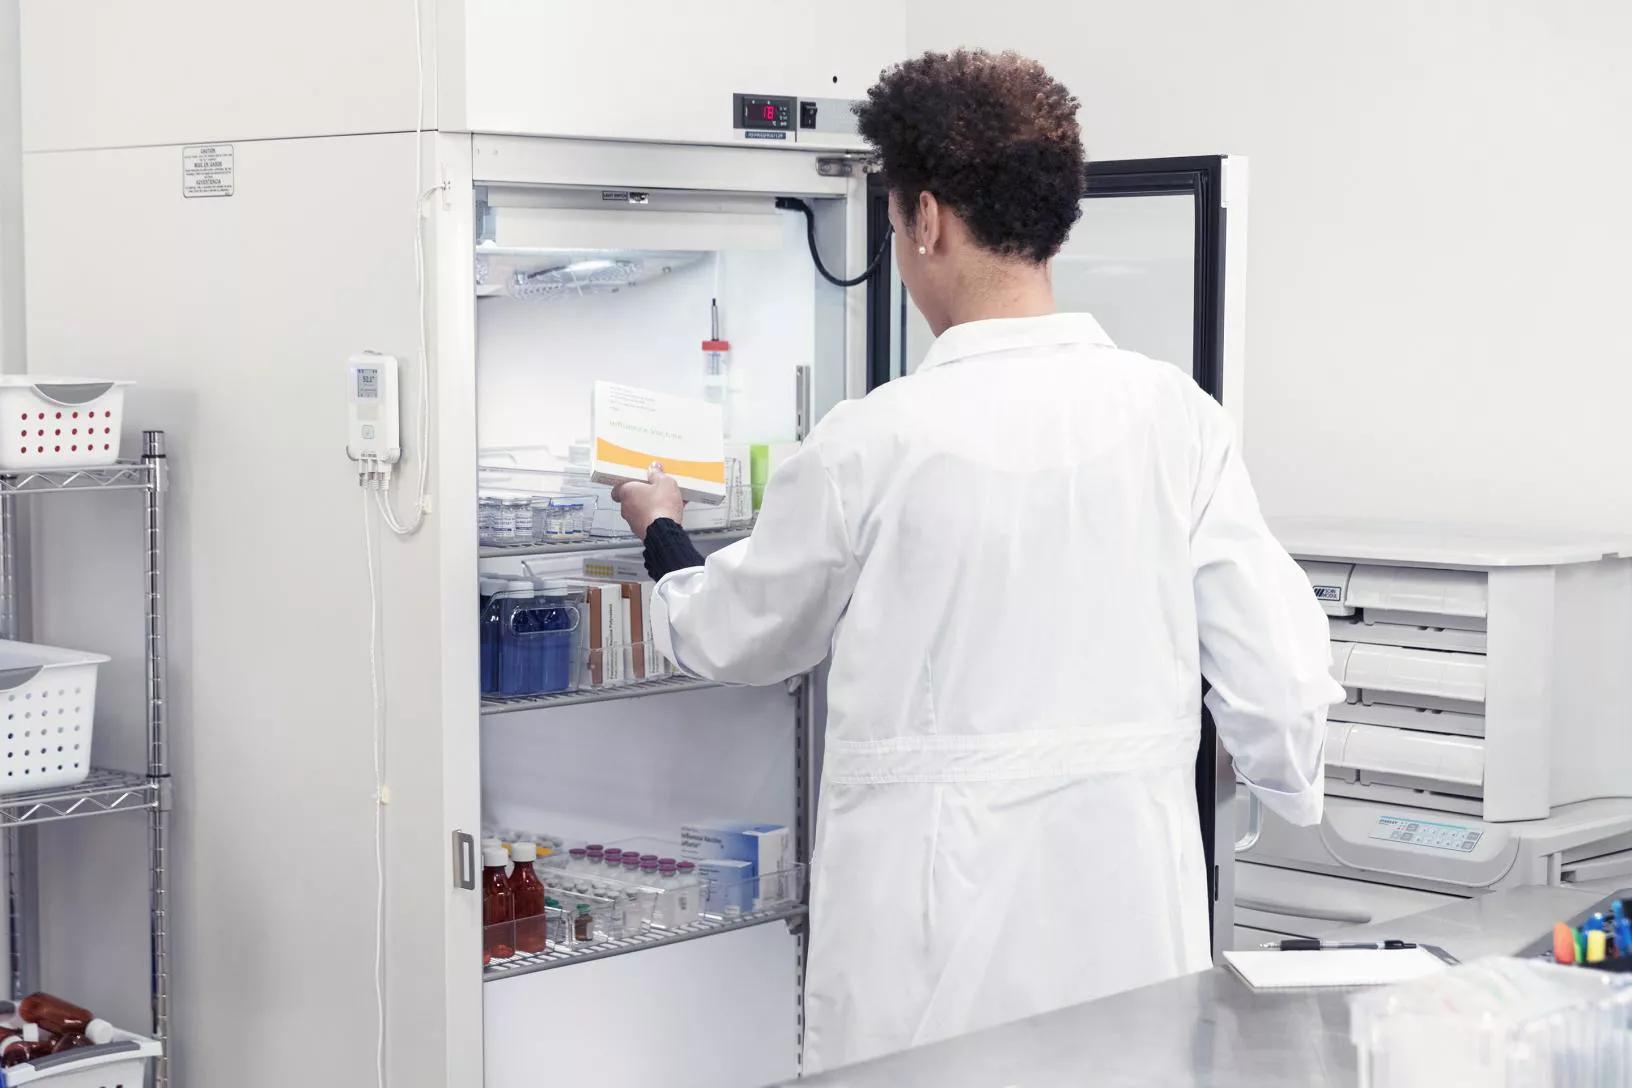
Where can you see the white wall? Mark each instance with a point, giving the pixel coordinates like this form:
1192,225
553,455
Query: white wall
1438,262
11,195
235,317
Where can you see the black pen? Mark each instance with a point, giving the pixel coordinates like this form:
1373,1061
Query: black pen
1309,944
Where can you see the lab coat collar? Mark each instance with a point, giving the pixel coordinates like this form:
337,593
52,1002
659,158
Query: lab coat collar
1009,333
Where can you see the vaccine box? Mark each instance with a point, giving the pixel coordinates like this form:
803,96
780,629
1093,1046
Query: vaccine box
728,886
767,847
635,428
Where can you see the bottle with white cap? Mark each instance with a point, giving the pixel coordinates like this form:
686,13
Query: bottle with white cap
61,1017
498,907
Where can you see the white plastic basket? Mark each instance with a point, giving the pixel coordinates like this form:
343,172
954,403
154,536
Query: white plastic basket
59,422
119,1064
48,697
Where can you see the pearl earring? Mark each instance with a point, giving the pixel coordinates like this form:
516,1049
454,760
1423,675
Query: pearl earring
922,250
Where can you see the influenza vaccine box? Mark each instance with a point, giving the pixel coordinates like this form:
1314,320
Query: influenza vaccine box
767,847
635,428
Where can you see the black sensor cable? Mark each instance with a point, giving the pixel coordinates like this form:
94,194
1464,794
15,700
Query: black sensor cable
793,203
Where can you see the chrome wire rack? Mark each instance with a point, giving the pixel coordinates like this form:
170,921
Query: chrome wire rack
104,791
561,956
601,544
124,476
631,690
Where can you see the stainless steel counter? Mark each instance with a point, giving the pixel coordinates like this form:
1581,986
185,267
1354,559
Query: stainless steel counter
1207,1029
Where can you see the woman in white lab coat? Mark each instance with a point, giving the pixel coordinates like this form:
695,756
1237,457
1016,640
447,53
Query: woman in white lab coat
1023,560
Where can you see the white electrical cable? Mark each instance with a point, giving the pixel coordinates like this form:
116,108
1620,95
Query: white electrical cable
382,497
376,696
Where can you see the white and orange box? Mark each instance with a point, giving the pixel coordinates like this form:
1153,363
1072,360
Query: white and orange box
635,428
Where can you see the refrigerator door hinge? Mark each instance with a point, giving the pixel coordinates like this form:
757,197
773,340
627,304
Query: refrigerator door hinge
464,861
844,166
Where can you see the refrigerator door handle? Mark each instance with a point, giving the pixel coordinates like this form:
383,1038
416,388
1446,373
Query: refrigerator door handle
464,861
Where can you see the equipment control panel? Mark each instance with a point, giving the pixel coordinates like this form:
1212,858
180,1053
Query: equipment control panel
766,113
1457,837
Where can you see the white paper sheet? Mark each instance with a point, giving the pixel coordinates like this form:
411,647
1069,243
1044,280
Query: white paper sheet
1274,970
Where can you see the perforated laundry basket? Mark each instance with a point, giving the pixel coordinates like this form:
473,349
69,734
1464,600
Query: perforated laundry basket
48,697
119,1064
59,422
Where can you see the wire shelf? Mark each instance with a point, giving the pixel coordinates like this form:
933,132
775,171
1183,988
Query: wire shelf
526,964
602,544
633,690
123,476
102,792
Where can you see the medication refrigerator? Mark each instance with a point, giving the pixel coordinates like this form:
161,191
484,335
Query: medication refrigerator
679,813
523,245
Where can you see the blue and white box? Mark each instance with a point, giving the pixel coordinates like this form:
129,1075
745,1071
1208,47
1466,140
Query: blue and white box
768,848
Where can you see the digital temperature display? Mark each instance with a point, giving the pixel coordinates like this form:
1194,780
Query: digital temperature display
764,112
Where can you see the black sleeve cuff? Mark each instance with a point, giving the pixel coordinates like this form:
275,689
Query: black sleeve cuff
669,548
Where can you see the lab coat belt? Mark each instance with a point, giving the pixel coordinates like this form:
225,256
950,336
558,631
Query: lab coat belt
1074,751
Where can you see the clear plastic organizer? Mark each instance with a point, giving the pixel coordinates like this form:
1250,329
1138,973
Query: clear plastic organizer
59,422
1497,1023
49,699
583,912
525,507
548,637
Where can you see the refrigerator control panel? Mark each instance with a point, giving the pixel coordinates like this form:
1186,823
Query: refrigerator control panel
1458,837
772,116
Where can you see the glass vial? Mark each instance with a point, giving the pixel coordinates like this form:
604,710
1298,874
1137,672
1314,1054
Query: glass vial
581,925
527,897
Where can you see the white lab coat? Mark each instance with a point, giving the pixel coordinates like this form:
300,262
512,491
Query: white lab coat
1023,558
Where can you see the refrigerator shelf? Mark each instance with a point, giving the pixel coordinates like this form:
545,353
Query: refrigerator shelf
102,791
656,686
602,544
121,476
526,964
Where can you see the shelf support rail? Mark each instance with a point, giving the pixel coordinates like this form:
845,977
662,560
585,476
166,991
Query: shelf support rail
158,760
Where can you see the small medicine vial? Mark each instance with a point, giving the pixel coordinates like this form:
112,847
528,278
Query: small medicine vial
578,859
581,923
498,907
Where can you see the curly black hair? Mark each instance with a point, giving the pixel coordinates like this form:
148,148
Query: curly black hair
992,135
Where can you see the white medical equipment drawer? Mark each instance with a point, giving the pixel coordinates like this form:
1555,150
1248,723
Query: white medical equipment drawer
1405,757
1484,670
1301,904
1401,675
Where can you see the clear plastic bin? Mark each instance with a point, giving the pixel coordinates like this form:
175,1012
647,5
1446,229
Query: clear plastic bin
531,640
563,505
1497,1023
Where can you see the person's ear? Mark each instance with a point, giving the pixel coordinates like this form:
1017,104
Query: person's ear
930,233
